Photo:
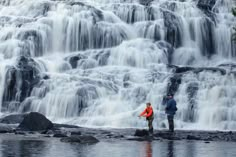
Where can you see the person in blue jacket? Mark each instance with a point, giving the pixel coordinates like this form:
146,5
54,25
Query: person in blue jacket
170,111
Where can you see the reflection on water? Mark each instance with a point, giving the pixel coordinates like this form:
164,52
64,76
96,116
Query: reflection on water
26,148
170,149
51,147
148,149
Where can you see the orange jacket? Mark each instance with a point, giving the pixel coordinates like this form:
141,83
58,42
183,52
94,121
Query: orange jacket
148,111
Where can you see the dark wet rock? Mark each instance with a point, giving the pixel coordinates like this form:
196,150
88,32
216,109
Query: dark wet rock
20,133
88,139
197,135
4,128
207,7
58,126
19,83
173,84
206,4
174,29
126,79
145,2
196,69
80,139
180,69
71,140
89,134
229,66
109,135
191,137
35,122
211,69
233,47
176,79
141,133
59,135
13,119
45,77
119,136
73,60
75,133
48,132
207,38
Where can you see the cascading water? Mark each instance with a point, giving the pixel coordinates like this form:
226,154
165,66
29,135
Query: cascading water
97,62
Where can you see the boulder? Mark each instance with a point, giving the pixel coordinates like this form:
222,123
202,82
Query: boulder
141,133
80,139
35,122
4,128
13,119
87,139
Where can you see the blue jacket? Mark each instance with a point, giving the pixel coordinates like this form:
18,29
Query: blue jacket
171,107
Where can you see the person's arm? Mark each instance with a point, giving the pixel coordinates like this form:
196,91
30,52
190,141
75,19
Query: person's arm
143,113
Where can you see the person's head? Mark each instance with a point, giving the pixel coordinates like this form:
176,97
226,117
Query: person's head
148,104
170,95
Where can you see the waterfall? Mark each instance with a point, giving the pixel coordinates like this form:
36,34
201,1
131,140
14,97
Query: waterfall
96,63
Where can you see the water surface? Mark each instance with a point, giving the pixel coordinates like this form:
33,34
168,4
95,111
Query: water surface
51,147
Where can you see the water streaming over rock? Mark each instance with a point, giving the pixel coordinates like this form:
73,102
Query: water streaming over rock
97,62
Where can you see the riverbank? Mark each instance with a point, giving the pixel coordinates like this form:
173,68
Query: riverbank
63,130
38,125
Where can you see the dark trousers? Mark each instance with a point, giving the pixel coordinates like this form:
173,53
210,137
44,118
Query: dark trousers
150,119
171,122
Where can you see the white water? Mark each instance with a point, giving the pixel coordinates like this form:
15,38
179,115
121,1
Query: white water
124,60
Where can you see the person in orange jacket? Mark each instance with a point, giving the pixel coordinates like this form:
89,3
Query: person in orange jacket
149,114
